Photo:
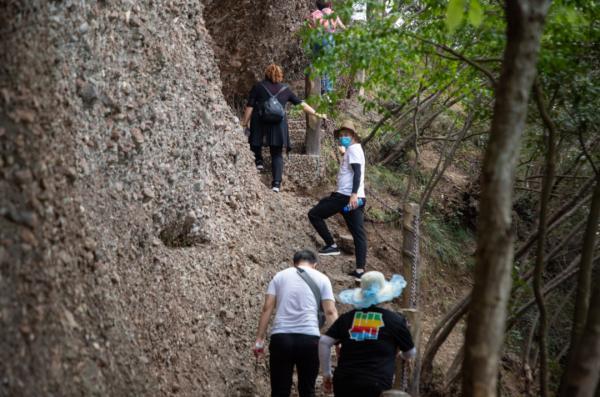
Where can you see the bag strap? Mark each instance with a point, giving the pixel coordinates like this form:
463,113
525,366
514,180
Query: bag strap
269,92
311,284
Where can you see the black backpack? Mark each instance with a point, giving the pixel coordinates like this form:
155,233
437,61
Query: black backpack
271,111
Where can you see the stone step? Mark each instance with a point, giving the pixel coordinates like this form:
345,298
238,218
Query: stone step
297,136
300,171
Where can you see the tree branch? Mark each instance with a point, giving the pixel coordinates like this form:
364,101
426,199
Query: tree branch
462,57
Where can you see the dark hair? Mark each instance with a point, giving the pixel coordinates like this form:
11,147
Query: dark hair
305,255
323,4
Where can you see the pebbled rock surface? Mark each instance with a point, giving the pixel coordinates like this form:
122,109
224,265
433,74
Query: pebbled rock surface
136,239
248,35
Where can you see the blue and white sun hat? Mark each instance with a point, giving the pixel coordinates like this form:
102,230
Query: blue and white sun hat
373,290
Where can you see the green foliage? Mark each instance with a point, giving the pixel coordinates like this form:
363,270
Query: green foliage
456,11
386,179
455,14
394,50
448,240
381,215
475,13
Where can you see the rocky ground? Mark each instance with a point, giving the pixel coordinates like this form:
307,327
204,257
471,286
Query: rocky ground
136,237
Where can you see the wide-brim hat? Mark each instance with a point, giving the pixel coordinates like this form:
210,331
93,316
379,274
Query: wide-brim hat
346,125
373,289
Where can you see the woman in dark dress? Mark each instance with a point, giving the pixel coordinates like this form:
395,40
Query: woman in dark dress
274,135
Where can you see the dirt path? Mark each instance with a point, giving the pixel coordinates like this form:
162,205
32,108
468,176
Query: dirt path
440,286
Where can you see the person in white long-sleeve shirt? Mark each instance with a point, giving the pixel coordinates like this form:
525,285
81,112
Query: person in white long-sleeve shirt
371,337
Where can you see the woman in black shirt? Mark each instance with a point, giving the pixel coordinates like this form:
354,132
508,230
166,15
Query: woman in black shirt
274,135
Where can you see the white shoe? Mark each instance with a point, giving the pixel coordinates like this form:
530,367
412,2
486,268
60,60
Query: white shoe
275,189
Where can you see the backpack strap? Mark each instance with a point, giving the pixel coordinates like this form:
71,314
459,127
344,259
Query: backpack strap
269,92
312,285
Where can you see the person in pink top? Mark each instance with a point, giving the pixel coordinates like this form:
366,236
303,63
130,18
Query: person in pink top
323,16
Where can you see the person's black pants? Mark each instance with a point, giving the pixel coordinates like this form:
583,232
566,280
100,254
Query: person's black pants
287,351
355,219
354,388
276,161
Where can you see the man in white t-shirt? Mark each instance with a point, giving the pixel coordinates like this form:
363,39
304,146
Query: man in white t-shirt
295,331
349,199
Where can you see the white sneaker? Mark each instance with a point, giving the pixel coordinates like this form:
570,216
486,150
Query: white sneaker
260,167
275,189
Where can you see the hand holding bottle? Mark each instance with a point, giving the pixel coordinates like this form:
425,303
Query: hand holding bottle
353,204
259,348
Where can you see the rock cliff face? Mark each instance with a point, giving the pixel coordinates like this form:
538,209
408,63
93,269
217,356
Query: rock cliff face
250,34
135,236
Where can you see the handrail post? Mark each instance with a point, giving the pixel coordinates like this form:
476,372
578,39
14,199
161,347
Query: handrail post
312,141
407,379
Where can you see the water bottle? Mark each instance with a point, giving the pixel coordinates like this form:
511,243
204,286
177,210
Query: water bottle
347,208
259,348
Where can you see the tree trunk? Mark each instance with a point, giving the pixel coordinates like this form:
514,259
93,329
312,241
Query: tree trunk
415,165
583,370
439,335
487,315
585,272
547,183
445,326
582,300
312,141
559,216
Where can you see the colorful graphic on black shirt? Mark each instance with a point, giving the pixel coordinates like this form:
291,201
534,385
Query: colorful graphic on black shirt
365,326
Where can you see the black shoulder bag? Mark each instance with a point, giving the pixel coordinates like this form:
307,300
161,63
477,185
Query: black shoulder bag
316,293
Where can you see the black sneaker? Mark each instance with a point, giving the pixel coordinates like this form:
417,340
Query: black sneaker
276,187
260,165
356,275
329,250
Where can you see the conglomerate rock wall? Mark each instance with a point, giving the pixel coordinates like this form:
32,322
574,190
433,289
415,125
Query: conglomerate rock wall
250,34
135,236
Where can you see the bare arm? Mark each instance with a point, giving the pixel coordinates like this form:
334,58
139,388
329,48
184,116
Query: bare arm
246,118
331,313
265,316
308,109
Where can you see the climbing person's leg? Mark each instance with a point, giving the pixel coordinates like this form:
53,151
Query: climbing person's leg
326,83
355,220
276,166
306,352
327,207
258,158
281,364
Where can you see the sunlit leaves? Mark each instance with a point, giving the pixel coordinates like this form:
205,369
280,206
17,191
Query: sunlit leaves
475,13
454,14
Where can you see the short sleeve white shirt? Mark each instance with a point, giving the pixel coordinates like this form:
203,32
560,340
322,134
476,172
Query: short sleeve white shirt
354,155
296,310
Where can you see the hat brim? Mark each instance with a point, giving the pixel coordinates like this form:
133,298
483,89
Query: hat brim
336,133
392,289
